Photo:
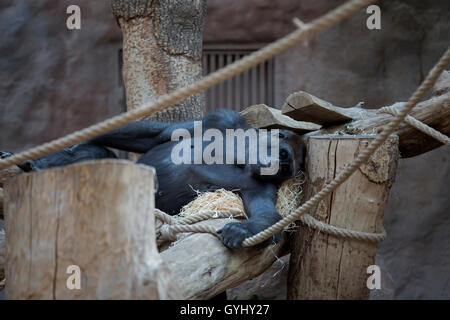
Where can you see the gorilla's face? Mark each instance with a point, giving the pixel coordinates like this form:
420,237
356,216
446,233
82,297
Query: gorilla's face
291,155
290,158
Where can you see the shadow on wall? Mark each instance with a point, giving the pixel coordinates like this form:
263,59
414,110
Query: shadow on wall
416,252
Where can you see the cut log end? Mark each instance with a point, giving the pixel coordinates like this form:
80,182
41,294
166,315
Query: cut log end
94,218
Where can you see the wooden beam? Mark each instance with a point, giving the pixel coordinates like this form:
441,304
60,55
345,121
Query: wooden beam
323,266
262,116
97,216
205,268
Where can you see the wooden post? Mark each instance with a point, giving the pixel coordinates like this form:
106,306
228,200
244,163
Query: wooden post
95,216
328,267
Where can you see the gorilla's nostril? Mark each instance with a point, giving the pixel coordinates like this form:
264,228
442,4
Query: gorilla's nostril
283,154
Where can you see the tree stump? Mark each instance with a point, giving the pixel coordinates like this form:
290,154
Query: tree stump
323,266
94,216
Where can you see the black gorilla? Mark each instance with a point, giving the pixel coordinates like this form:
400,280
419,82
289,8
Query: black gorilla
177,182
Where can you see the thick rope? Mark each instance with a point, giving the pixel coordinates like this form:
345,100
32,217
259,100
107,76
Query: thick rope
313,223
180,94
358,161
172,226
419,125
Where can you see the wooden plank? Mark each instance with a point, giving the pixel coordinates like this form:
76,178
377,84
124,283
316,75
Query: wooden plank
434,112
303,106
262,116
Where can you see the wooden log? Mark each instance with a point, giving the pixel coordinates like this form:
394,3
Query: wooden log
205,268
262,116
434,112
328,267
94,215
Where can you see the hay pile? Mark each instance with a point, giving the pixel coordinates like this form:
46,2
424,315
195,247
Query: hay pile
219,200
288,199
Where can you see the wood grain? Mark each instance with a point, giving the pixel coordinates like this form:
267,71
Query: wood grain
96,215
328,267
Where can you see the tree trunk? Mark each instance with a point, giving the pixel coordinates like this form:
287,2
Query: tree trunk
323,266
162,51
97,216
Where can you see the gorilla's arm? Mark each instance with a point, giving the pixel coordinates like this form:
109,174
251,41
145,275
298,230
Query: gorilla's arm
77,153
138,136
260,208
142,136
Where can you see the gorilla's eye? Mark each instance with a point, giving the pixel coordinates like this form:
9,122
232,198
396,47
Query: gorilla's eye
281,135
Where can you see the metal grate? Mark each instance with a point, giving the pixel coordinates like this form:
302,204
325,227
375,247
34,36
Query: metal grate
251,87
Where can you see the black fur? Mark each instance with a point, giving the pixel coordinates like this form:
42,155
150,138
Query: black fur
178,182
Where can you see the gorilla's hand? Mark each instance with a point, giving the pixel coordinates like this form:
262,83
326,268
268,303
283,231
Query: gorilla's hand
233,234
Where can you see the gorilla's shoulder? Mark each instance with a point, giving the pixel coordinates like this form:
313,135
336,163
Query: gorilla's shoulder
224,118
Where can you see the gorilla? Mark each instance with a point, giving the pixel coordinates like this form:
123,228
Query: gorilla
178,183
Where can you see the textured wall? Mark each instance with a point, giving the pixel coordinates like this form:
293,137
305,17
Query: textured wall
54,81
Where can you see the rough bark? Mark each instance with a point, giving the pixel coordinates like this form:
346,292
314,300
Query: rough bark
97,216
162,50
329,267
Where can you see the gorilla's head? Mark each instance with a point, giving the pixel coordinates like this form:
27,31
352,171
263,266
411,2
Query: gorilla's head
291,158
